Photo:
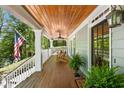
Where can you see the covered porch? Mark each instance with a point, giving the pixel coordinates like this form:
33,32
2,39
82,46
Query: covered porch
86,32
55,23
54,75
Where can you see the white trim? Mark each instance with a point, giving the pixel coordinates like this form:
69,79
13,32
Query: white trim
46,34
110,47
89,48
98,12
38,50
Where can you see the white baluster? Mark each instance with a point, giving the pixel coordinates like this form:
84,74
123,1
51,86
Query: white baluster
26,69
14,77
30,69
20,73
33,66
8,82
10,79
24,72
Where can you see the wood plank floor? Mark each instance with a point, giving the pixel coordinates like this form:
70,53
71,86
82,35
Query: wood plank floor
54,75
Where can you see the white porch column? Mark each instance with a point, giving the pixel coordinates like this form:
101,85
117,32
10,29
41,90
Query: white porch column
51,47
38,55
67,46
51,43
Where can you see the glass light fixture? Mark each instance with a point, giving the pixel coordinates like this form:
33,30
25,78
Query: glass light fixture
115,18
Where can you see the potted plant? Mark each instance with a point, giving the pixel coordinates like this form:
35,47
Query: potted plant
75,62
104,77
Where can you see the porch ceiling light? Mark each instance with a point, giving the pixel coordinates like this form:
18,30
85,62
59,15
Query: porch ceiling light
115,17
60,37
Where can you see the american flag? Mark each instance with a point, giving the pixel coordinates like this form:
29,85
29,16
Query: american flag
18,41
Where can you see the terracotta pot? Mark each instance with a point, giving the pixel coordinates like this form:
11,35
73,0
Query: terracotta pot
77,74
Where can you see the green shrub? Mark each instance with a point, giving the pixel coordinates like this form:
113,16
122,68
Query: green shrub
104,77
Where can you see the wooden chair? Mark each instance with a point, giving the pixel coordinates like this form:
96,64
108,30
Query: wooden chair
61,57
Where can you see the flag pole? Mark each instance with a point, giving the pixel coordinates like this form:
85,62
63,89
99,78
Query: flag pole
20,35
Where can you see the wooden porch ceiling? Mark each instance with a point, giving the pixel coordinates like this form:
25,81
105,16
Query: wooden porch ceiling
63,18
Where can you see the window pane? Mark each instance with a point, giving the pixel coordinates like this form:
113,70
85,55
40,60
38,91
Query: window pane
106,41
100,43
57,43
94,44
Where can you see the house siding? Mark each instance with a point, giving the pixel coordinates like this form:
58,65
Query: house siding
118,47
82,46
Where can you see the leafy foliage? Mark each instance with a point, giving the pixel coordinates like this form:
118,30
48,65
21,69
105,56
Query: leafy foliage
57,43
8,24
1,18
104,77
76,61
6,49
45,43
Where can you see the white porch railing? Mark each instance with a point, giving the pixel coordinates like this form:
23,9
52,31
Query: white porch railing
46,53
19,74
26,69
55,49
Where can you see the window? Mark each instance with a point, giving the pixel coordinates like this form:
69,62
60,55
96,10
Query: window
100,44
57,43
45,42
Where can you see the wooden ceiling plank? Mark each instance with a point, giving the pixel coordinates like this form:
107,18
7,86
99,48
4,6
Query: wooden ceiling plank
65,18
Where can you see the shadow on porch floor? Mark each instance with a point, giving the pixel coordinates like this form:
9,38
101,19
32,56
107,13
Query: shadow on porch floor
54,75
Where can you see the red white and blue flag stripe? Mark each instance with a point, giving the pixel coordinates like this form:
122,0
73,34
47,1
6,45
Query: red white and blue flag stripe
18,41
